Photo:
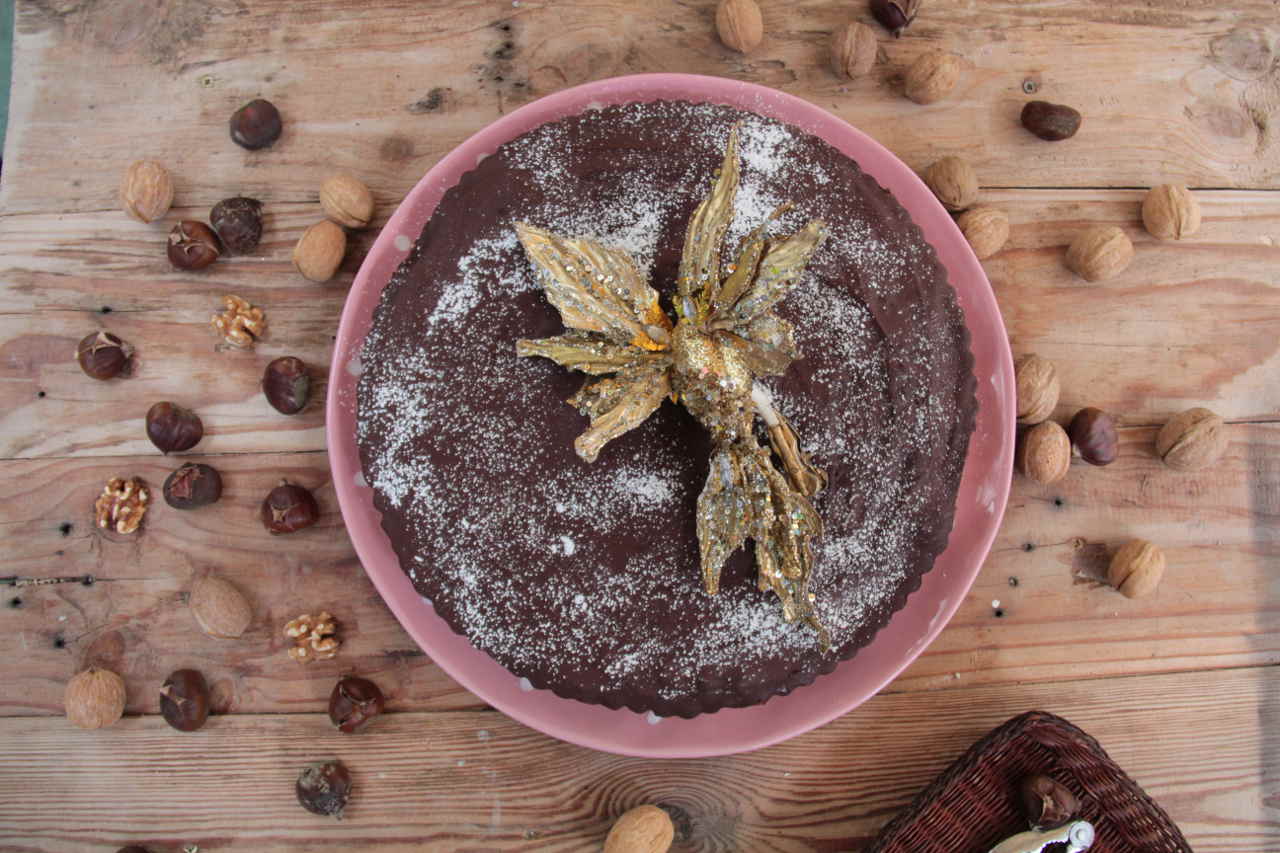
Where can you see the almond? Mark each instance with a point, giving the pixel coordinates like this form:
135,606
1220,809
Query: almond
644,829
219,608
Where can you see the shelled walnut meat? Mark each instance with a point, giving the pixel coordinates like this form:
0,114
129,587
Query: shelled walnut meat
240,323
314,637
122,504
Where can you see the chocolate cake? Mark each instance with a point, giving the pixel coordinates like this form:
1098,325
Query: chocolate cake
583,578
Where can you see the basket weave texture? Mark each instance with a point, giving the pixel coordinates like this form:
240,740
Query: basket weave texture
973,805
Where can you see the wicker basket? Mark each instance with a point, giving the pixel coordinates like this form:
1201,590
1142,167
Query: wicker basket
973,805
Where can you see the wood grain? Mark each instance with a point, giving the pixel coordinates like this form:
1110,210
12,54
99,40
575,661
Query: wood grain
1169,90
1219,605
1202,745
1115,343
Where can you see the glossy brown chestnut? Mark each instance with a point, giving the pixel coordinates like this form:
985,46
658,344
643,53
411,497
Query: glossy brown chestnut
193,245
191,486
256,125
289,508
238,222
1093,432
287,385
103,356
173,428
353,702
1051,122
184,700
324,788
895,15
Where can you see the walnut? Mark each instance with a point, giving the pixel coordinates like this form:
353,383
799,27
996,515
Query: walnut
1192,440
1136,569
954,182
240,323
1100,252
1044,454
121,505
1171,212
853,50
932,76
314,638
986,229
1037,388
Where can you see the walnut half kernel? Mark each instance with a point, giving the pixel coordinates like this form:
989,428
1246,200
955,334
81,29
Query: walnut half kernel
240,323
314,638
121,505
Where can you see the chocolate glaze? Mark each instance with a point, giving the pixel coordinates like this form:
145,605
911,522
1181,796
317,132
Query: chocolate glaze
584,578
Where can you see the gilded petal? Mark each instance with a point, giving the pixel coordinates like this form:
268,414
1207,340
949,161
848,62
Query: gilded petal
724,513
699,273
744,268
596,289
626,407
591,353
780,271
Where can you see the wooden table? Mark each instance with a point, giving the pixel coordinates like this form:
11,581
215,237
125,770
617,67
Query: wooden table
1181,688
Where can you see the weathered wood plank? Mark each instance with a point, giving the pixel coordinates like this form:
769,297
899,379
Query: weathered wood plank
1190,323
477,781
1170,91
1219,605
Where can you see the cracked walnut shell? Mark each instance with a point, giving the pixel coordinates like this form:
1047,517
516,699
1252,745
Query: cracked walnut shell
240,323
121,505
1192,440
313,638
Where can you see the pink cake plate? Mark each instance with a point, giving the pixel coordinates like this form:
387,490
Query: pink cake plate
984,487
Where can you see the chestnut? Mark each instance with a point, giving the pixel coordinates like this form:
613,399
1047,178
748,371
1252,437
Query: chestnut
353,702
287,385
895,15
103,356
1093,432
192,485
324,788
1047,803
289,508
193,245
256,125
184,700
238,221
173,428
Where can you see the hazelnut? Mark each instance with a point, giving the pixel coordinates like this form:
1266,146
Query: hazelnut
353,702
1046,803
289,508
1037,388
287,385
184,700
319,251
238,221
954,182
146,191
193,245
256,125
324,788
1170,212
1093,433
1136,569
644,829
191,486
1100,252
172,428
853,50
932,76
346,201
1051,122
94,698
739,24
1044,454
1192,440
986,229
102,355
219,608
895,15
